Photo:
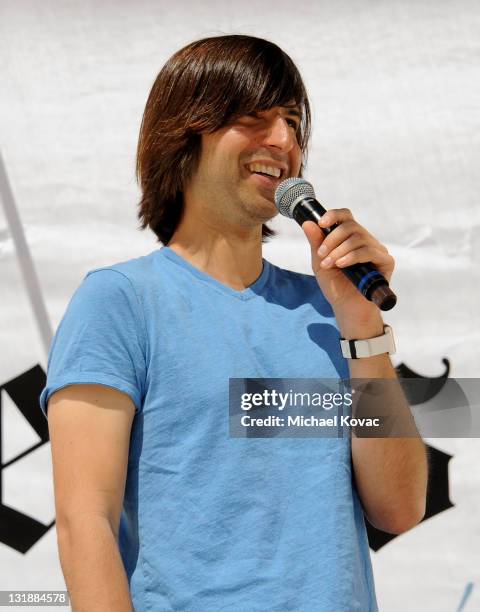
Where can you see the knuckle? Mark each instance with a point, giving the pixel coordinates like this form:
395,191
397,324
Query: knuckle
347,228
356,227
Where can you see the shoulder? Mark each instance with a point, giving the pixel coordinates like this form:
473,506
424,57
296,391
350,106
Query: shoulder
134,272
297,279
298,288
132,279
120,284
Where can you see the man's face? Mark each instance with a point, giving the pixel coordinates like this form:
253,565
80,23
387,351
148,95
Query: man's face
242,163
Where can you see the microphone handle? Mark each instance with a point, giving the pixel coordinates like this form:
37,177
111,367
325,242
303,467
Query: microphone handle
365,276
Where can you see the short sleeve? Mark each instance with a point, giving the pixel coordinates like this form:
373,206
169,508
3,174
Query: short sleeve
101,339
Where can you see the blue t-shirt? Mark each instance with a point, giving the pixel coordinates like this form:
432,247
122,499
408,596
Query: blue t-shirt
214,523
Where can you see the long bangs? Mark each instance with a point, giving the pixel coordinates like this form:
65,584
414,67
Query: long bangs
202,88
253,75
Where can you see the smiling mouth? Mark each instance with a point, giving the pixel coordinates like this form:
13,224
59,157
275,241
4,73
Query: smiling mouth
270,172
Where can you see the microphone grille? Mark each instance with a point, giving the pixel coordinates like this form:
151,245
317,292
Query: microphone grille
288,191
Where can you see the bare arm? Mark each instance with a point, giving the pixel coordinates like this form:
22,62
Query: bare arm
89,429
390,473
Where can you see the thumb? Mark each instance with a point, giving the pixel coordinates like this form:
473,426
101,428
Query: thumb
314,235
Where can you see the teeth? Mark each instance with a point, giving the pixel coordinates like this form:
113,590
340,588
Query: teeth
276,172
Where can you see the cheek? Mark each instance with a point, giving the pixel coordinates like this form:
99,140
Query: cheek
297,162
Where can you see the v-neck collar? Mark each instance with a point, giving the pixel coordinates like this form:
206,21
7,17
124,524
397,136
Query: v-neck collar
248,293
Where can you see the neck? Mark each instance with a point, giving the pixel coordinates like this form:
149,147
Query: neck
231,255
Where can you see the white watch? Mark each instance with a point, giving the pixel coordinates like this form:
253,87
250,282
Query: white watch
369,347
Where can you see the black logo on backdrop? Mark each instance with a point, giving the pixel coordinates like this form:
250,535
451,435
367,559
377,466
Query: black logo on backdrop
18,530
438,497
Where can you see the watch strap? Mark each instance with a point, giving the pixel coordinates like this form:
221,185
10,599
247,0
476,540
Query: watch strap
369,347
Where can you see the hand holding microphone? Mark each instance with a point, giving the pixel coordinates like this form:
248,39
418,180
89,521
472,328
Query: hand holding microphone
352,250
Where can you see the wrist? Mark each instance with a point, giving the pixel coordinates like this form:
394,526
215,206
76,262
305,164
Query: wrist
361,325
355,348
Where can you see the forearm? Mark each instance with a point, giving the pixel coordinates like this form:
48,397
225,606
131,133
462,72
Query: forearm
390,473
391,479
92,565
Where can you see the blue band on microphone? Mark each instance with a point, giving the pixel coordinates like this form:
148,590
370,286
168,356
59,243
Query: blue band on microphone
367,277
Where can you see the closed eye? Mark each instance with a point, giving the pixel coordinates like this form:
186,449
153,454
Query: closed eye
294,123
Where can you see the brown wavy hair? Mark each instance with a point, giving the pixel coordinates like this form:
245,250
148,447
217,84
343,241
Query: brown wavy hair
203,87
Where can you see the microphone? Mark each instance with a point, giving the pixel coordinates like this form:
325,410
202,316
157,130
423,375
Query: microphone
295,198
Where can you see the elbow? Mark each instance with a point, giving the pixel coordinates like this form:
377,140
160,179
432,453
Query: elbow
63,532
402,520
405,523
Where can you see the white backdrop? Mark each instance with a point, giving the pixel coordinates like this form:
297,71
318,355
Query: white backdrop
395,90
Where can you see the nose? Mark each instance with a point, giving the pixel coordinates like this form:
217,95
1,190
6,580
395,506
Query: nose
280,135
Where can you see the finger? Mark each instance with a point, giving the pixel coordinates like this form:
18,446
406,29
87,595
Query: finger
366,254
314,234
353,242
340,234
336,215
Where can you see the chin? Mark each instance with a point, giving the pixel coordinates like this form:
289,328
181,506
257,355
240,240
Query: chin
260,207
265,212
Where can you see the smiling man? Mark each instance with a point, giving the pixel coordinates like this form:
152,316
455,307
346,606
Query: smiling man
157,507
232,193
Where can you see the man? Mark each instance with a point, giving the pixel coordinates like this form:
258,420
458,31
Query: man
139,371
